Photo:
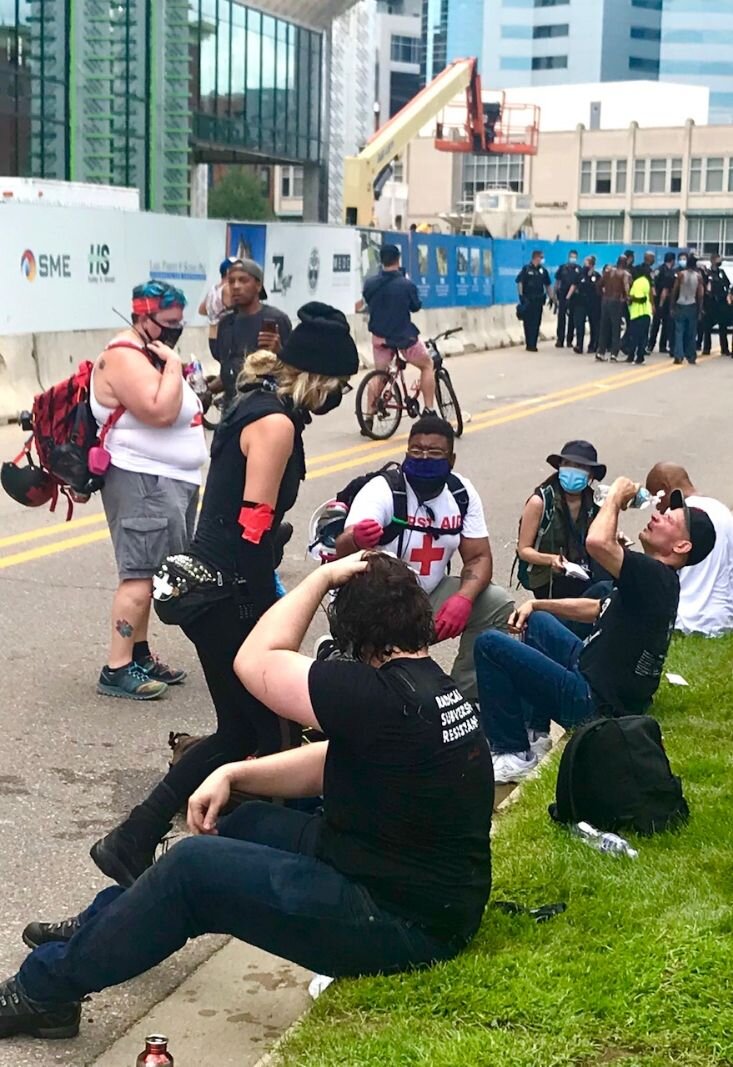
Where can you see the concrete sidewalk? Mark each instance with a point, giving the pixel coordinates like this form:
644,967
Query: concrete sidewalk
229,1012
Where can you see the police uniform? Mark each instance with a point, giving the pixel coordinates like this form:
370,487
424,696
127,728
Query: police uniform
663,281
717,288
587,306
534,282
565,278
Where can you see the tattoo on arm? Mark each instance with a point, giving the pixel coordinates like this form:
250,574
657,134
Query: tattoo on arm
468,575
124,628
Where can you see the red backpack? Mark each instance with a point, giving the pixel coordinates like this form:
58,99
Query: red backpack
71,457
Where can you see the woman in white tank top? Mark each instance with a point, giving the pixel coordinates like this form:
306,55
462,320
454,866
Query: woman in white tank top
157,449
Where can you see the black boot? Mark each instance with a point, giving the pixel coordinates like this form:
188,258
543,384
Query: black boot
127,851
38,933
18,1015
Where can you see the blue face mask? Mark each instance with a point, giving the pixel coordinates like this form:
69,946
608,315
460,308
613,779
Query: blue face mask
426,476
573,480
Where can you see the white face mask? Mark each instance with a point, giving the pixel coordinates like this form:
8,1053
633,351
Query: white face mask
573,259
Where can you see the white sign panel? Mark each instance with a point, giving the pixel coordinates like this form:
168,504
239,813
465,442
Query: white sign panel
69,268
312,263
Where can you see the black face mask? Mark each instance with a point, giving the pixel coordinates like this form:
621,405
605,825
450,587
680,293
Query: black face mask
169,335
331,402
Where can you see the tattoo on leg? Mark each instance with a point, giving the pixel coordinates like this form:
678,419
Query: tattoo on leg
124,628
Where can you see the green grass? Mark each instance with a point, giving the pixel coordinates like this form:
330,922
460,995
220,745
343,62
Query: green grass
637,973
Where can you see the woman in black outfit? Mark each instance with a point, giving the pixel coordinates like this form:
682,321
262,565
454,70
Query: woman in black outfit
257,464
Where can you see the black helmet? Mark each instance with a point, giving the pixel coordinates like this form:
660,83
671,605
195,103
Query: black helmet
28,485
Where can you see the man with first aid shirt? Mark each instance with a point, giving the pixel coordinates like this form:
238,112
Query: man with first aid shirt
444,514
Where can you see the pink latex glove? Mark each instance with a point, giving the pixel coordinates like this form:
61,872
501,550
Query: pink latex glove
452,619
367,533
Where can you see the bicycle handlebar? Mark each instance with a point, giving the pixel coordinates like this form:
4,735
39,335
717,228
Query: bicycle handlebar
448,333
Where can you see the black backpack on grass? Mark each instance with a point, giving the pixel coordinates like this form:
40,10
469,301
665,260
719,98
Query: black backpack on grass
614,774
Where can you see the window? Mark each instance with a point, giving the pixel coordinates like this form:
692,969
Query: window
559,29
695,174
601,228
655,230
650,5
688,36
516,33
639,175
550,3
298,182
585,176
675,181
649,66
549,62
603,176
405,49
490,172
657,175
714,175
291,183
398,170
514,63
645,33
713,233
620,175
285,182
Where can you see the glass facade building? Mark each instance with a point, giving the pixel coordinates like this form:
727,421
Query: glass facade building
561,42
131,93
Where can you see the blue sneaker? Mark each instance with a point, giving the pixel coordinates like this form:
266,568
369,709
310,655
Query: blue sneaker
131,683
161,672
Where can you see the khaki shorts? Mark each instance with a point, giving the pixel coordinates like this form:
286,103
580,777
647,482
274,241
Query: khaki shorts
149,517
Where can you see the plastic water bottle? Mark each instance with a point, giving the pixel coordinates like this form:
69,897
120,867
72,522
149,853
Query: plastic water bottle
195,377
604,842
643,498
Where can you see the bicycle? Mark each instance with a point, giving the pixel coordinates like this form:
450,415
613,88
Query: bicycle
396,397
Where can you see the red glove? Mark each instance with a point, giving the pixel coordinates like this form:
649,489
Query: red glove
367,533
452,619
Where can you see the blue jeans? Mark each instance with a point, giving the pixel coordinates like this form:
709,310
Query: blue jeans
528,683
685,332
257,881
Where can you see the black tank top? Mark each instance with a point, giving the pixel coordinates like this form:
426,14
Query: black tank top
218,538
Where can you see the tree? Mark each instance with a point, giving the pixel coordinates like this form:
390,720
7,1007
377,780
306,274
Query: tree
238,195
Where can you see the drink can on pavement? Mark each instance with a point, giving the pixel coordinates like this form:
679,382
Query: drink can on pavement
155,1053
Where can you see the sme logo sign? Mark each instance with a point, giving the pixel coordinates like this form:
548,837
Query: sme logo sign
45,265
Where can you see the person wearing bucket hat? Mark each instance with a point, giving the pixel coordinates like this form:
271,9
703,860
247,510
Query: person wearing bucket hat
555,523
250,325
257,465
551,674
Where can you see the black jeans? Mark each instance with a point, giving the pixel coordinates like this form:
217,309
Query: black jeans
243,725
612,313
258,881
591,313
661,321
565,320
638,337
717,314
531,321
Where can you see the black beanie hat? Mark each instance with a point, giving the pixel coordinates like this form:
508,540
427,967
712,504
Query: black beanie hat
321,343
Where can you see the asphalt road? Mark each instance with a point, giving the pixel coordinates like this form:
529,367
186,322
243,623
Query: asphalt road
72,763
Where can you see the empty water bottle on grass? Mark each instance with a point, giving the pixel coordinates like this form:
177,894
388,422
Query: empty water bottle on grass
604,842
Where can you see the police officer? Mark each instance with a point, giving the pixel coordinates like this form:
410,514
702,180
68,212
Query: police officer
717,293
533,285
585,295
566,278
663,280
706,301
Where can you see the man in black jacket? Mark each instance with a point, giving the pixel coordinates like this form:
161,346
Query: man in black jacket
566,281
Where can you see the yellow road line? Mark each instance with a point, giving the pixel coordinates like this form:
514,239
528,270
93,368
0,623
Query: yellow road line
49,531
497,417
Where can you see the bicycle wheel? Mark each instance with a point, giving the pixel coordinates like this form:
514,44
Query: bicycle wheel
388,408
448,405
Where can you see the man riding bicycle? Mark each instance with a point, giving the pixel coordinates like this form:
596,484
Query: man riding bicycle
390,297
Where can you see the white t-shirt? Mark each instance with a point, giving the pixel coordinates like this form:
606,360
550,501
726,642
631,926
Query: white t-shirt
706,590
428,556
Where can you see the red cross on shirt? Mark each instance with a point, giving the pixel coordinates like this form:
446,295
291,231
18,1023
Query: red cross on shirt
427,555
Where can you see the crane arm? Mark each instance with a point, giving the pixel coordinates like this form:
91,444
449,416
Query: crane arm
390,139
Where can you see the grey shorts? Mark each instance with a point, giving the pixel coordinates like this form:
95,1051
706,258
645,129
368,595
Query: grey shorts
149,517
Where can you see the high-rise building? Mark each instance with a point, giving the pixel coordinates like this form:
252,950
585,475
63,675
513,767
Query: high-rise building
134,93
552,42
